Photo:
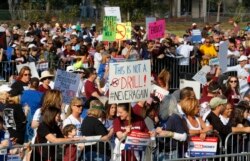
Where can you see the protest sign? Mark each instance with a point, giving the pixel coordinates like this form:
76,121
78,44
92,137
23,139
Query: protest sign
3,43
159,92
198,147
156,29
129,81
200,76
194,84
214,61
109,28
196,36
137,141
223,48
32,67
113,11
67,83
123,31
148,20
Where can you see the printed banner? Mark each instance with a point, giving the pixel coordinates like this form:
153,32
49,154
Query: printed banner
67,83
113,11
194,84
156,29
109,28
32,67
137,141
149,20
159,92
123,31
196,36
129,81
198,147
223,48
200,76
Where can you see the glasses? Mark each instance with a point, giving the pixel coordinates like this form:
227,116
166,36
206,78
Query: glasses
26,74
78,106
234,81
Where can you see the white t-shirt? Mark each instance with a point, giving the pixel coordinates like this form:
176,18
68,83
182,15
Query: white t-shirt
184,50
72,120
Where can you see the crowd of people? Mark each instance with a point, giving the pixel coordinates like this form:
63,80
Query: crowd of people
33,111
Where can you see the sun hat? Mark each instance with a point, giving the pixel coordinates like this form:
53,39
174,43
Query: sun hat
46,74
70,69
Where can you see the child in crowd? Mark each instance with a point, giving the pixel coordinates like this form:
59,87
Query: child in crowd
69,131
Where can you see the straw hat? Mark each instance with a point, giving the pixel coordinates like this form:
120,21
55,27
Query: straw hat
46,74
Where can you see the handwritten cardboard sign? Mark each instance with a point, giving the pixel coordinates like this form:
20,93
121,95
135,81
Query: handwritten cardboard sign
129,81
67,83
109,28
156,29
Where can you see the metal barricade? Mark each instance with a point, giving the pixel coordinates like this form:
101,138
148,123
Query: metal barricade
237,144
90,150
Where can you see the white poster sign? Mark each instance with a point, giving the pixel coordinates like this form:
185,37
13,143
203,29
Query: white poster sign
129,81
194,84
32,67
113,11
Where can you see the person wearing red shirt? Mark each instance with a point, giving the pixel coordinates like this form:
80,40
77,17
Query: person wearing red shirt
90,87
124,124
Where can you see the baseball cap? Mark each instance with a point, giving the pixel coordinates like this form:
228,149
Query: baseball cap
216,101
242,58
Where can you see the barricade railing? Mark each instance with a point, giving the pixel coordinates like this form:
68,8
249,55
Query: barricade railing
90,150
165,148
238,143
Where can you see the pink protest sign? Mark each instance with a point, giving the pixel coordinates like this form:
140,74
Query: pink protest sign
156,29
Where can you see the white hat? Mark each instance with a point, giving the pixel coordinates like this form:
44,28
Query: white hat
242,58
46,74
4,88
31,46
73,27
54,36
28,39
70,69
194,24
13,45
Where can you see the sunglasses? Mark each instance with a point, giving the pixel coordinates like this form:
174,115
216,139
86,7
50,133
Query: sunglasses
78,106
233,81
26,74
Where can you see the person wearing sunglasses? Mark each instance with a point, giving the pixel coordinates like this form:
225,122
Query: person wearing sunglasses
21,82
73,115
45,78
232,90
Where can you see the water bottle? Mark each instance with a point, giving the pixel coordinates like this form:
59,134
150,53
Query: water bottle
7,137
4,150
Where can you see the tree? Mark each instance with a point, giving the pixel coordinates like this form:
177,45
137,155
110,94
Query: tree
125,5
14,5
